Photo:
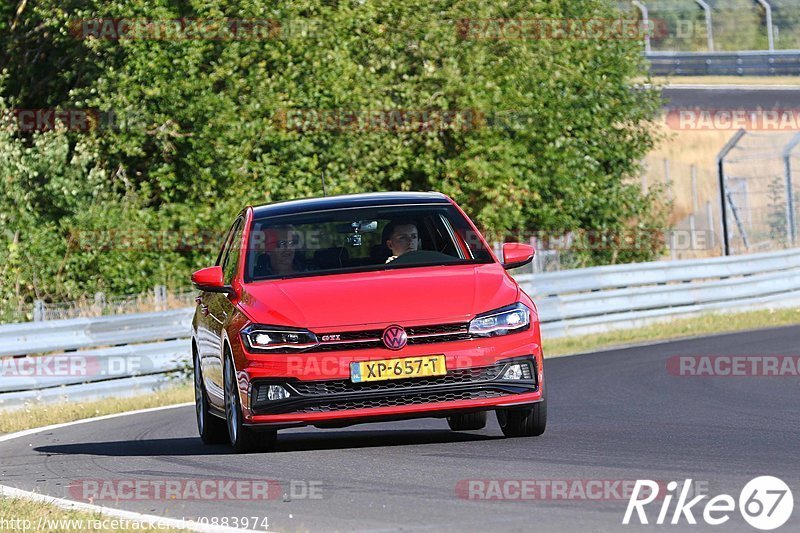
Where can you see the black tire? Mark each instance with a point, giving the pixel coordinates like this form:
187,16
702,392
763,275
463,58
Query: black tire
212,428
242,438
467,421
529,422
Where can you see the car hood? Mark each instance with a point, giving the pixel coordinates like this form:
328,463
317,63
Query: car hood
413,295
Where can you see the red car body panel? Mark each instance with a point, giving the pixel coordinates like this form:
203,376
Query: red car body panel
409,297
383,297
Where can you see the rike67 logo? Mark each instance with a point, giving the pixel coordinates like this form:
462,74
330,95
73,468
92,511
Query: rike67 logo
765,503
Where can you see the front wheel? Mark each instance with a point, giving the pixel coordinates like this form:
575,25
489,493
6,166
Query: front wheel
528,422
467,421
211,428
242,438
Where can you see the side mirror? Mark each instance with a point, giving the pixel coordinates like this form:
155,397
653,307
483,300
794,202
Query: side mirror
516,254
211,280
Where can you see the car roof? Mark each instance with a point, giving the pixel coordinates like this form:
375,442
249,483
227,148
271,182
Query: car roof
304,205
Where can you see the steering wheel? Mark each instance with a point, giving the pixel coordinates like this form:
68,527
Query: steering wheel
423,256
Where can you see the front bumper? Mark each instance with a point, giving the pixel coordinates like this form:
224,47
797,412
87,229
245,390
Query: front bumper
339,401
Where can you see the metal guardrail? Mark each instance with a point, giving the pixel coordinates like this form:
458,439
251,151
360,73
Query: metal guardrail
752,63
77,333
592,300
572,302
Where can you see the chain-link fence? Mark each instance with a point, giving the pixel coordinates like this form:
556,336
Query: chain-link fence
692,193
718,25
761,175
159,299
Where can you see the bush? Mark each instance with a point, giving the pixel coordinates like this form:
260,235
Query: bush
548,134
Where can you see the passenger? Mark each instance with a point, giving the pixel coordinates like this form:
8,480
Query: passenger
401,236
281,243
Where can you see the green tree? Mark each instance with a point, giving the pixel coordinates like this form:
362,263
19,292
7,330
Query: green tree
193,129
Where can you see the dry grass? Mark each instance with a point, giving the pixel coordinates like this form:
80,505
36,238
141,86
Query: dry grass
726,80
756,159
676,329
142,303
15,512
25,516
46,414
684,149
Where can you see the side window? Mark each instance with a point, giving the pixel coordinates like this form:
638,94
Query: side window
234,250
226,243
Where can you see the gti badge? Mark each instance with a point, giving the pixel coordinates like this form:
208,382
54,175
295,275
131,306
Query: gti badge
394,337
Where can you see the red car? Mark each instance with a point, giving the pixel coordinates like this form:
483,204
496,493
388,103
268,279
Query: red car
361,308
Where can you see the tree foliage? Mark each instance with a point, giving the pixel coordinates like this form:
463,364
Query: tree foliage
191,130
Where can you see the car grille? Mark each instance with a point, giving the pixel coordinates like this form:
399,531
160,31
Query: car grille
357,340
431,397
342,386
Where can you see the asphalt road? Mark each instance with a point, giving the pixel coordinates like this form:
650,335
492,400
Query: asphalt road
721,97
616,415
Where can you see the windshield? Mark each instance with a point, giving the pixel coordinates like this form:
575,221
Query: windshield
361,239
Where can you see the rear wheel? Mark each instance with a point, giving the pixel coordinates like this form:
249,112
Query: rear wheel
212,429
242,438
528,422
467,421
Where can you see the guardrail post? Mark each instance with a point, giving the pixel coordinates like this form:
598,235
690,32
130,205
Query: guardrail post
770,31
711,229
709,29
38,311
160,297
726,245
645,22
99,302
787,165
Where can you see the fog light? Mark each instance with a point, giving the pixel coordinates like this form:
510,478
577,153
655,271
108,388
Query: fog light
513,372
276,392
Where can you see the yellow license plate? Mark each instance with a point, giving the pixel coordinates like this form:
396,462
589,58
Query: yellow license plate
407,367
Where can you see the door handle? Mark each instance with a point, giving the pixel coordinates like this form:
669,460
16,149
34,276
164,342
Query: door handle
204,310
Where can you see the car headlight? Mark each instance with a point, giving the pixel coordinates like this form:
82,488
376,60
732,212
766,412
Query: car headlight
511,319
271,338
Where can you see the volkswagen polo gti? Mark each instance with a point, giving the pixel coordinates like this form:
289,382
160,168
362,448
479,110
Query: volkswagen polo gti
362,308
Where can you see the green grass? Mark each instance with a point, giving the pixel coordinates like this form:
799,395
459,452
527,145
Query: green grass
676,329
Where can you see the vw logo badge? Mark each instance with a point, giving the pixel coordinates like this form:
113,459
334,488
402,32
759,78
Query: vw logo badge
394,337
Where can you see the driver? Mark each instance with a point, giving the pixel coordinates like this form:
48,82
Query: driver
402,237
